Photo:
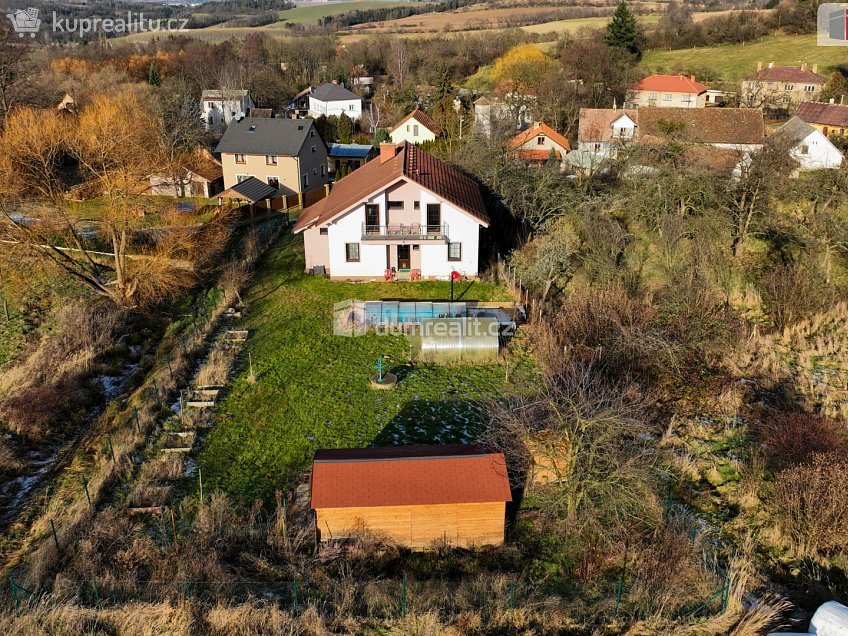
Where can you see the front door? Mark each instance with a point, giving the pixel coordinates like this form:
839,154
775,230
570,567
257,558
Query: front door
404,260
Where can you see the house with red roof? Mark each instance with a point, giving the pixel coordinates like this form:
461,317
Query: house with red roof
403,215
416,128
830,118
667,91
538,144
412,496
781,87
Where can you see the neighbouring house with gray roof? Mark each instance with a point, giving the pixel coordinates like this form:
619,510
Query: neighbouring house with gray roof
221,107
287,154
334,99
807,145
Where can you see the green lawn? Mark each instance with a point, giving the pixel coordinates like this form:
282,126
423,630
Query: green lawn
312,387
734,62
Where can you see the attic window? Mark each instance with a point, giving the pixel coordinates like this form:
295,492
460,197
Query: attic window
300,127
251,129
540,141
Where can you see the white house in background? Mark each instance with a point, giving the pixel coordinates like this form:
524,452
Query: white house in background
506,114
416,128
602,130
334,99
667,91
404,211
220,107
808,145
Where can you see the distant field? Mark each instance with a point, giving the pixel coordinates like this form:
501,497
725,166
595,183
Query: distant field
733,62
312,13
479,17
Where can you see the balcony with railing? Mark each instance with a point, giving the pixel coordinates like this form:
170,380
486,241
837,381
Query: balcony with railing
408,232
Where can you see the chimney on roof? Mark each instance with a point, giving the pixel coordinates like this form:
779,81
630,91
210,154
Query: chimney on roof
387,152
815,68
832,100
335,81
804,66
691,78
771,64
759,66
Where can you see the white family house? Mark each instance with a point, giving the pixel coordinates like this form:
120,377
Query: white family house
807,145
416,128
404,214
220,107
334,99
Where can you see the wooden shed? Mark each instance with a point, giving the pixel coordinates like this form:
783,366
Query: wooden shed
412,495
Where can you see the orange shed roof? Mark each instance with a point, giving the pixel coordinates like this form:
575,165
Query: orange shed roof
539,128
408,476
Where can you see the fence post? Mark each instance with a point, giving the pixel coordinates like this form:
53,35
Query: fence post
512,595
726,596
294,593
403,597
200,477
55,538
87,494
96,593
14,592
111,449
137,422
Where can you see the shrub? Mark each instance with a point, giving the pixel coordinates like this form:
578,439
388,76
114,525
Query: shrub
808,501
793,438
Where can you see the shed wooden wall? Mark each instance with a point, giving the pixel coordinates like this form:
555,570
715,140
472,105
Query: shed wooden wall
462,525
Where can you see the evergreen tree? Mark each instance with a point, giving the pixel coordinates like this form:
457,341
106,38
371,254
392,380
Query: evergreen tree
153,76
622,31
344,129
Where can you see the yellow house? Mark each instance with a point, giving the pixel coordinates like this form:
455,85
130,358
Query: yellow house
829,118
416,128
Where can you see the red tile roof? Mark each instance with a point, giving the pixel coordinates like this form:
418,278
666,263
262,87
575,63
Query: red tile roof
422,118
823,114
786,74
409,162
733,126
408,476
540,128
670,84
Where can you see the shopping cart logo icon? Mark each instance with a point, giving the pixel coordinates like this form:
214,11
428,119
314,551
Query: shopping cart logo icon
25,21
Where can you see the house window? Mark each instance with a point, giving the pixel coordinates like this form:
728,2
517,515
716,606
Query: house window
395,205
352,252
242,177
810,88
306,181
313,148
311,133
274,182
805,149
416,205
407,128
415,130
652,96
596,147
270,160
324,231
372,218
323,169
789,87
667,97
241,158
434,218
540,141
454,251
